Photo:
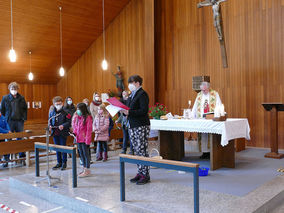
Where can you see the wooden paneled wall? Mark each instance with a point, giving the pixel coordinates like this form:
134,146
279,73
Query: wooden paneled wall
186,45
129,43
34,92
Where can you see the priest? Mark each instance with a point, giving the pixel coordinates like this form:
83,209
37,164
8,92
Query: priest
206,101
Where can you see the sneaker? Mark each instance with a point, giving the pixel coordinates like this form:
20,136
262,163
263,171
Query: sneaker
86,173
131,153
205,155
143,180
123,152
63,166
135,179
82,171
57,166
5,165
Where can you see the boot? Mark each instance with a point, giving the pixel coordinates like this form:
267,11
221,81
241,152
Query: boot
100,156
105,156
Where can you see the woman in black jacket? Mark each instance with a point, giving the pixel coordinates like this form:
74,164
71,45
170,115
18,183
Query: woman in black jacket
139,125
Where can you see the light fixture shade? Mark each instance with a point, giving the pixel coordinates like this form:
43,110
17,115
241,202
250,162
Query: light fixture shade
104,65
61,71
31,76
12,55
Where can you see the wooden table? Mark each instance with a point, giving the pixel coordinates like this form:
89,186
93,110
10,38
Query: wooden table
171,135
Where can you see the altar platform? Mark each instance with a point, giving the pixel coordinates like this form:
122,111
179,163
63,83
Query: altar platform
253,186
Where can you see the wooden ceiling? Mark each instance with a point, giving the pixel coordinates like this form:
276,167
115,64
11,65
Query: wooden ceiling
36,28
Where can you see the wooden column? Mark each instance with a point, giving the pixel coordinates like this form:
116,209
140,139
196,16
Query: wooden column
274,135
171,145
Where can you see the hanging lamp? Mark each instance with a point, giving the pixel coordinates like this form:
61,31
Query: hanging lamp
31,75
104,62
61,70
12,53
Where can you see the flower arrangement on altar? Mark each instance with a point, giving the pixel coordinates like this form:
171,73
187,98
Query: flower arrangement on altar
158,110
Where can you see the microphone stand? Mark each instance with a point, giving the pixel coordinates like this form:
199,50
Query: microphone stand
48,177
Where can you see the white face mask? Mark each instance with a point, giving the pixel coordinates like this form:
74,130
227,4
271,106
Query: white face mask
97,98
69,102
131,87
13,92
58,107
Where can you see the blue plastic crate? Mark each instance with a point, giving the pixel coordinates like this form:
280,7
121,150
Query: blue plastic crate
203,171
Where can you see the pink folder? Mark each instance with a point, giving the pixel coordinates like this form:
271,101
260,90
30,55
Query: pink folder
117,103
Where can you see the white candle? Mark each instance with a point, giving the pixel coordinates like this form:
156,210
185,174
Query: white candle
217,112
222,110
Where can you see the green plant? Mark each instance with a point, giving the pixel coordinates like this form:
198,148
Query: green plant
158,110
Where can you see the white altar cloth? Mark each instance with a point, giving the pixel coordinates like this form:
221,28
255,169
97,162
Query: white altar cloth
230,129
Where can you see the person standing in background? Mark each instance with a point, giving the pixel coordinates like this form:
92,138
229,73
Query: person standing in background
14,109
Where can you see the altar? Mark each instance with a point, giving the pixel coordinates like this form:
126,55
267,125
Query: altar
223,133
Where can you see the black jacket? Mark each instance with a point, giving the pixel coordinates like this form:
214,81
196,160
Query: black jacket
139,107
14,108
63,118
70,109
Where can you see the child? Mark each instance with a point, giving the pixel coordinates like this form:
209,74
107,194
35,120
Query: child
60,122
82,128
100,127
4,128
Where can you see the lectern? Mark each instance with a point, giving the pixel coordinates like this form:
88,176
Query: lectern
273,108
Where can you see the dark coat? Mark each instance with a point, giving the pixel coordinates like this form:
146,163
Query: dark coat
14,108
63,119
139,107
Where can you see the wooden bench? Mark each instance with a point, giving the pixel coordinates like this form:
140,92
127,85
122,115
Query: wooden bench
24,144
166,164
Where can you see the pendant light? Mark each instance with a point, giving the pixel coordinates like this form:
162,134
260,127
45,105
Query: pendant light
31,75
104,63
12,53
61,70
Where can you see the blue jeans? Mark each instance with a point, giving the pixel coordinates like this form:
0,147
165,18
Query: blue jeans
61,157
102,146
126,139
84,154
16,126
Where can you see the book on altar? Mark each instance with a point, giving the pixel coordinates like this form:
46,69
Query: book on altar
115,106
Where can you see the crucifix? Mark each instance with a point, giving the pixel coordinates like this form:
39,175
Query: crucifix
217,18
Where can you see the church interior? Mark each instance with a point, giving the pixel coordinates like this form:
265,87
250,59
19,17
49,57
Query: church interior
190,93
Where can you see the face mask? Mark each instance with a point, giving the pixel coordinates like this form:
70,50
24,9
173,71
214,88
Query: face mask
58,107
86,104
13,92
69,102
79,112
131,87
97,98
100,111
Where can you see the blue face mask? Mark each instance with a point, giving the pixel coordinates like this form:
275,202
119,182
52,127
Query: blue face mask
79,112
69,102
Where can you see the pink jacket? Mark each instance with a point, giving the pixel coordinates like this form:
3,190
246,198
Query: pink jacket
100,127
83,132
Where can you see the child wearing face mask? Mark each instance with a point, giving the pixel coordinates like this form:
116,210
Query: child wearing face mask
59,125
100,127
82,128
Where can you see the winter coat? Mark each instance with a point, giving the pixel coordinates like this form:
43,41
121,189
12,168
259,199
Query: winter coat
83,132
4,127
100,127
94,108
14,108
63,118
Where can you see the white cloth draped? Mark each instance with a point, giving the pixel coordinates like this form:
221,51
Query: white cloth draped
230,129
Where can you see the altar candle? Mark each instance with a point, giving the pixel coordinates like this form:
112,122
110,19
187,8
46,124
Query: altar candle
222,110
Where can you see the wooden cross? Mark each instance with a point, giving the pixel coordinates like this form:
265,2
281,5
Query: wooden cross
217,17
